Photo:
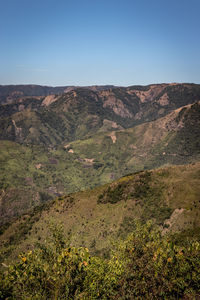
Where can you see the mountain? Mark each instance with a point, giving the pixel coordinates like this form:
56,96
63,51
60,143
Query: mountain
33,174
111,166
55,141
10,93
94,218
83,112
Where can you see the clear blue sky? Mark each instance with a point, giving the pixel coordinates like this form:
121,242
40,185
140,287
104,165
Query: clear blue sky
86,42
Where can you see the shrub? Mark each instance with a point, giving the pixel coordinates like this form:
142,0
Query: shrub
53,271
156,268
112,194
146,265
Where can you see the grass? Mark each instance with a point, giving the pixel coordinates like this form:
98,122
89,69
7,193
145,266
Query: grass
86,220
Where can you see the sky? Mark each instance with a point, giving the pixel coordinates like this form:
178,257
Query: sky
94,42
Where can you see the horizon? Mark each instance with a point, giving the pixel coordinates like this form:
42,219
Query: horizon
93,85
76,43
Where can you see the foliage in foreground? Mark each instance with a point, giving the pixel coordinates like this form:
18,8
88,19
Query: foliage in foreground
144,266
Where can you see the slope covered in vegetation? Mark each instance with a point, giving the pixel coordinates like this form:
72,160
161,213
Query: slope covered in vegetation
94,218
142,230
146,265
33,174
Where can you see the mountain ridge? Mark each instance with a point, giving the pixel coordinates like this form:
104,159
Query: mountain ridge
81,112
31,174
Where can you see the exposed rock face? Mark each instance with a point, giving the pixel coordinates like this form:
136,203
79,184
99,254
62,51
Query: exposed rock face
67,146
18,130
38,166
49,99
150,94
21,107
110,100
164,99
113,137
110,125
173,219
89,160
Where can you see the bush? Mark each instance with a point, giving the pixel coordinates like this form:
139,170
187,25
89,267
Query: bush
53,271
112,195
156,268
144,266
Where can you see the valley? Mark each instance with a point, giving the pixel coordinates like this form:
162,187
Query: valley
96,162
87,138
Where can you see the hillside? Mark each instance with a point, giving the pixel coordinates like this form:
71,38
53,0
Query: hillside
94,218
82,112
88,232
33,174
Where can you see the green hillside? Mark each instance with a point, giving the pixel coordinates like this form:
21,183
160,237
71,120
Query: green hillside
99,192
145,265
33,174
94,218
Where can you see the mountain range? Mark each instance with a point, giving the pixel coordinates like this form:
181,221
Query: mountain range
81,112
55,141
